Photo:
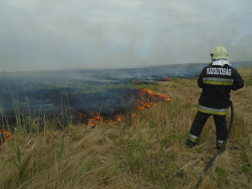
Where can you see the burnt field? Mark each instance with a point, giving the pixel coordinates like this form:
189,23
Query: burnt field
64,102
80,95
145,150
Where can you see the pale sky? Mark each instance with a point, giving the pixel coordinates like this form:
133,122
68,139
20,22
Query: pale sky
61,34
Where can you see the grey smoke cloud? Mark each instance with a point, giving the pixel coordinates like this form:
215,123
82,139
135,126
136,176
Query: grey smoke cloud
48,35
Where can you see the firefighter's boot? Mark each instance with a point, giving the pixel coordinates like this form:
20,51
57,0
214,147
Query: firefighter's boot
219,145
190,143
191,140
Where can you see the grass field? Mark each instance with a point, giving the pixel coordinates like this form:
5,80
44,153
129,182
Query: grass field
145,151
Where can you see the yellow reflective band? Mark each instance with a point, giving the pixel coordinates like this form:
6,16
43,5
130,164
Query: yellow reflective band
212,112
193,140
217,79
218,83
220,145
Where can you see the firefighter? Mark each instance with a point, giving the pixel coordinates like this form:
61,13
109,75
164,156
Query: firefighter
216,80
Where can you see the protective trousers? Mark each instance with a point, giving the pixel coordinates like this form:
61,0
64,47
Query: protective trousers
199,122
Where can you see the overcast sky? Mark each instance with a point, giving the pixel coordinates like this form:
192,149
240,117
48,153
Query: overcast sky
61,34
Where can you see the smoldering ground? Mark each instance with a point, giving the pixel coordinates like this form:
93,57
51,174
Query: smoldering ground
69,92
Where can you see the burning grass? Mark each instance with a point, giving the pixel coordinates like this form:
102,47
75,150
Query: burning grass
145,101
4,135
145,151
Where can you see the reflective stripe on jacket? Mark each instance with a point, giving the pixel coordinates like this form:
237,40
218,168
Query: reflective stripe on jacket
217,81
213,111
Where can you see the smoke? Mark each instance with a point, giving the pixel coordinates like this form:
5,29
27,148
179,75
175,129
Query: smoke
50,35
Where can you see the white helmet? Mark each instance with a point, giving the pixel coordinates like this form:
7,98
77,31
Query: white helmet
219,53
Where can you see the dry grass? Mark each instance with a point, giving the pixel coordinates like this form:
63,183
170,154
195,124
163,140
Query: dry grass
147,151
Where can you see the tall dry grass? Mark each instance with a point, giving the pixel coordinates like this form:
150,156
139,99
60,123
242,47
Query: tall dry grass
146,151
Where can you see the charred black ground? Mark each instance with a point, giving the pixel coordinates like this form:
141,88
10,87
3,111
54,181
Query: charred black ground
65,102
66,93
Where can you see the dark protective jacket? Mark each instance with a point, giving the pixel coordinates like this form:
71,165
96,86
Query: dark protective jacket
216,82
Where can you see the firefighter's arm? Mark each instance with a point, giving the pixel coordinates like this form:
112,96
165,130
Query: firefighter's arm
200,80
238,82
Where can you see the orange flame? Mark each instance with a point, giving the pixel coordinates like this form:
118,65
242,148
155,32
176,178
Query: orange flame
154,95
167,79
144,102
96,118
6,135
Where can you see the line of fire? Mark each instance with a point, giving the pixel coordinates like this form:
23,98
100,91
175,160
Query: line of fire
145,101
84,103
